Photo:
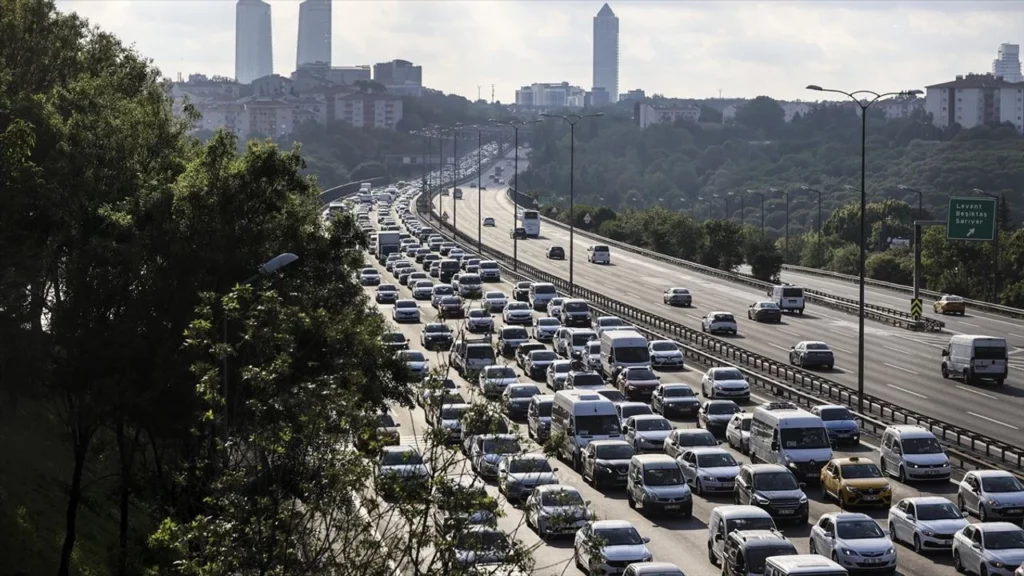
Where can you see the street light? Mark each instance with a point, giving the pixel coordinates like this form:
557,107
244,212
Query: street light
726,198
818,192
697,207
743,209
761,194
515,125
995,239
572,120
479,195
455,174
864,105
785,193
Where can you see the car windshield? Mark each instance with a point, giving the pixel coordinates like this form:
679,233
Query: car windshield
543,356
749,524
401,458
858,529
716,460
588,379
769,305
499,372
527,465
614,452
939,511
470,280
478,314
702,438
609,322
414,356
1004,539
632,354
386,421
544,289
680,291
619,536
575,307
834,414
561,498
818,346
640,374
562,367
1001,484
495,296
387,288
556,301
664,347
424,284
453,412
771,481
652,424
476,351
952,299
677,392
723,408
544,409
581,338
613,395
443,290
437,328
921,446
728,374
547,322
501,446
594,348
517,333
663,476
489,266
804,438
745,423
451,301
517,306
482,541
855,471
597,425
369,271
523,391
394,337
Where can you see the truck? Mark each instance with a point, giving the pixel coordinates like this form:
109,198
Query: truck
387,243
365,187
498,170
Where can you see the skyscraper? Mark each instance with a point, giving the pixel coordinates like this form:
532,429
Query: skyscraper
254,57
1007,64
606,52
314,32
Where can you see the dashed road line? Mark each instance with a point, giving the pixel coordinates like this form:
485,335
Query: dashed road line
905,391
993,420
972,391
907,370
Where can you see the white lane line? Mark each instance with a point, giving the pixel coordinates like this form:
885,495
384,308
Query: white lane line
905,391
631,295
966,389
1015,335
694,317
993,420
971,325
843,350
790,332
907,370
841,332
783,348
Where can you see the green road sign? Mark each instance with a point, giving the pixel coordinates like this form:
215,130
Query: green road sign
971,219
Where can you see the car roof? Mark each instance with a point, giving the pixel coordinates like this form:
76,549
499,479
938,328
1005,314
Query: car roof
746,510
998,527
648,417
599,443
692,431
556,488
610,524
759,468
909,430
806,342
849,516
527,456
852,460
991,473
700,450
403,449
522,385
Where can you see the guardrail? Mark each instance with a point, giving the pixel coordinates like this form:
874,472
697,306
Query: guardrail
882,314
815,388
976,304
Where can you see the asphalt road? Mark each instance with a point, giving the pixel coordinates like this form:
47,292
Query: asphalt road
901,366
682,542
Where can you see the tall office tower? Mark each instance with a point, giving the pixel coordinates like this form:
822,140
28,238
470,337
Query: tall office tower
1007,64
254,56
314,33
606,52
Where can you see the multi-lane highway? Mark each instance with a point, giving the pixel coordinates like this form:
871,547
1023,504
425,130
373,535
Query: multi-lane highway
902,366
679,541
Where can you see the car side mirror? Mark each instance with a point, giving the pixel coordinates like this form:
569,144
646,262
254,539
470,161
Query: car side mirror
945,352
718,536
587,502
976,546
830,534
647,540
897,450
775,445
625,430
555,469
398,424
965,513
803,485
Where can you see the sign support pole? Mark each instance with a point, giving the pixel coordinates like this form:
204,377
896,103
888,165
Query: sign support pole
918,233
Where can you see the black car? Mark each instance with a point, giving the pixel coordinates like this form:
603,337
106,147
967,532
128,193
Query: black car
519,233
521,293
387,293
765,311
436,336
555,253
395,341
451,307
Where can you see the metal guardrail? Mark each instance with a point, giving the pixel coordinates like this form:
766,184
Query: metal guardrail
882,314
976,304
816,389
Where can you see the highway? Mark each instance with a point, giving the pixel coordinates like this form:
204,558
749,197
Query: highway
901,366
680,541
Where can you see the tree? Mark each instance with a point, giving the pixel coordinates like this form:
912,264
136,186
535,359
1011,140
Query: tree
762,114
762,254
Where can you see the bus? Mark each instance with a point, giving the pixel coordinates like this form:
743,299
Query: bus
529,220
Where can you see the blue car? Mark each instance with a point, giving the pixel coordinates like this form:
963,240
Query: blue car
839,422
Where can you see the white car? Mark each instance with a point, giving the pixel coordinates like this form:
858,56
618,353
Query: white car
719,323
995,547
423,290
488,222
495,378
556,509
544,329
417,363
709,469
725,383
925,522
647,433
557,372
665,354
853,540
369,277
406,311
478,321
403,464
620,545
604,323
495,301
737,433
481,545
992,495
517,313
519,474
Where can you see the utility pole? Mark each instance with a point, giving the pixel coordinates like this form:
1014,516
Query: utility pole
492,93
478,91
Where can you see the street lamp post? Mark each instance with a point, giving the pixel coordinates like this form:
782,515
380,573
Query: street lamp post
864,105
818,192
743,209
918,222
515,125
479,195
572,120
761,194
455,174
697,206
785,193
726,199
995,239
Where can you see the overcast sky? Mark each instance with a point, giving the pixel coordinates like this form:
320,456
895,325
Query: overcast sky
679,48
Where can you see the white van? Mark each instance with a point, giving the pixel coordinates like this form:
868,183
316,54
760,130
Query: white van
803,565
912,453
788,297
599,254
621,349
972,358
582,416
795,439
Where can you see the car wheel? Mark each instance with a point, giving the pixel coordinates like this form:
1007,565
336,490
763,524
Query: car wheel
576,560
982,513
698,487
902,475
917,544
958,565
711,556
882,467
811,548
630,501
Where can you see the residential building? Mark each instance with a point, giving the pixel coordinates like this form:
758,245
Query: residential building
273,85
271,117
976,99
791,109
254,57
646,114
314,33
896,108
349,75
632,96
597,97
400,77
606,52
1007,64
368,110
551,95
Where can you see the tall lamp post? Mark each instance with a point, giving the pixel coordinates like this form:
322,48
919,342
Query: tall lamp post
455,174
726,199
761,194
995,239
864,104
572,120
696,208
785,193
743,209
818,192
479,196
515,125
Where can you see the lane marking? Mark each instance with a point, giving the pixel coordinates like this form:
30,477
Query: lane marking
994,421
907,370
971,325
972,391
904,390
844,350
790,332
694,317
773,345
1015,335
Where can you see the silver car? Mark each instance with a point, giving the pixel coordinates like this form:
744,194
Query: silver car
995,547
992,495
518,475
479,321
709,469
495,301
925,522
647,432
555,306
544,329
737,432
665,354
853,540
481,545
556,509
557,372
422,290
620,545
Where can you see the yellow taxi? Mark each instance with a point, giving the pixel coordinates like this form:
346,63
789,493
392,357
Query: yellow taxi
855,482
950,304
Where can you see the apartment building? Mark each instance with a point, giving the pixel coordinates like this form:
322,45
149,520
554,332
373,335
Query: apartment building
976,99
551,95
646,114
368,110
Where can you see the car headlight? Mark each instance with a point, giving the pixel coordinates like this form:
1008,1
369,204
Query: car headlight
803,499
851,489
928,533
890,551
760,499
999,565
652,496
912,465
994,502
648,558
847,552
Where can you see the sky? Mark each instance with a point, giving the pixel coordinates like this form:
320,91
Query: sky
678,48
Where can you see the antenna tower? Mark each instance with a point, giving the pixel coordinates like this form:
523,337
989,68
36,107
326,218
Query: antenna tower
492,93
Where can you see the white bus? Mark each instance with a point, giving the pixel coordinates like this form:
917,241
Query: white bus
582,416
529,220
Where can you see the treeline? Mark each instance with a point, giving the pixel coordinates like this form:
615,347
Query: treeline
707,169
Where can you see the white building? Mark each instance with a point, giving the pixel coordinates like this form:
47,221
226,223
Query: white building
314,33
254,57
606,51
364,110
551,95
976,99
647,114
1007,64
400,77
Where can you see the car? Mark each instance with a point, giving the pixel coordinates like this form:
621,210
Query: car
494,301
812,354
606,462
488,450
422,290
585,380
435,268
719,323
950,304
678,297
509,338
646,432
912,453
637,382
557,373
479,321
927,523
855,481
840,424
519,474
604,323
853,541
440,390
416,362
521,291
517,313
477,544
617,544
439,292
714,415
555,253
369,277
544,329
575,313
774,489
665,354
992,495
536,363
682,439
406,310
394,341
523,352
725,382
555,509
709,469
436,336
386,434
493,379
401,467
676,399
765,311
469,262
517,233
555,306
516,399
447,416
386,293
451,307
737,432
489,222
626,410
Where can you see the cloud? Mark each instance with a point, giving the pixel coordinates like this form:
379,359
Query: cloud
686,49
